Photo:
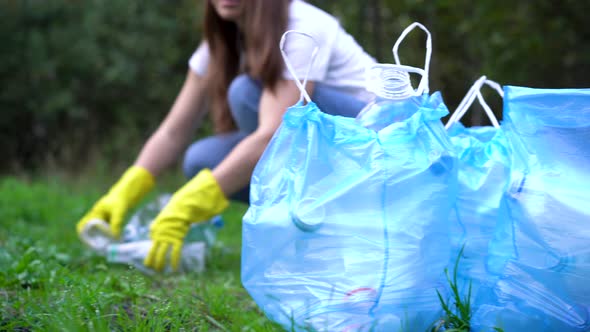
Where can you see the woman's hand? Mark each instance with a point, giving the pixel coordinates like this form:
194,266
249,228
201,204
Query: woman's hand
197,201
125,194
205,195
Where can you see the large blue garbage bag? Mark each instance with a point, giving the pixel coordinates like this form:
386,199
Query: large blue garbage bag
347,227
484,168
542,247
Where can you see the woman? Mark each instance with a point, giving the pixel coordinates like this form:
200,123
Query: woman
239,70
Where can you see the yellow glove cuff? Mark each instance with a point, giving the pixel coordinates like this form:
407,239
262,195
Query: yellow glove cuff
134,184
198,200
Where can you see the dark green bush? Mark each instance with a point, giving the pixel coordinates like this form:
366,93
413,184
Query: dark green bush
82,74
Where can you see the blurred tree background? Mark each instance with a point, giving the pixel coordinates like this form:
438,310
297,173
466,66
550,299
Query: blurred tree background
84,80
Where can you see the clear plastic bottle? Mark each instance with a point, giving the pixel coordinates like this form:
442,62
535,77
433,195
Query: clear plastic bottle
382,112
138,227
205,231
192,258
135,242
395,99
396,102
96,235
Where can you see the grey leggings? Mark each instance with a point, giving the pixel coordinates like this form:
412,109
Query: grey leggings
244,97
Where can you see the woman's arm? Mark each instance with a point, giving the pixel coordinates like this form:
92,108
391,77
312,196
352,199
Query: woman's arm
171,138
206,194
234,172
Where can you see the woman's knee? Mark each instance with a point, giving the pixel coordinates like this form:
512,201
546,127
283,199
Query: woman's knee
243,96
336,102
209,152
195,159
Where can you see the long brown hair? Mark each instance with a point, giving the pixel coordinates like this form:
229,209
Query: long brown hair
264,22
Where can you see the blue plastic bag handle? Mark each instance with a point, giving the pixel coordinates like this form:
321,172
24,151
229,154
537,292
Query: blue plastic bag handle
423,86
392,80
314,53
467,101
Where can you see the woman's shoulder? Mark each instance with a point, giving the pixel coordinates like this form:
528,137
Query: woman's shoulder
305,16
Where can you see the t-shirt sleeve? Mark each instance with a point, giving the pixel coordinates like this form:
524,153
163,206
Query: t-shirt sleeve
299,49
199,61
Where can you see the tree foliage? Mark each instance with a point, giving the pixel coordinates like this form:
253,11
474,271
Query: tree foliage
77,74
529,43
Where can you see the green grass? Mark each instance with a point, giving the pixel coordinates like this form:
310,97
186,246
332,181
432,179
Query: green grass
457,311
457,315
50,282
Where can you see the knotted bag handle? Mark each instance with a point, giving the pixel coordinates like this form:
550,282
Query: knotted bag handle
392,81
475,91
314,53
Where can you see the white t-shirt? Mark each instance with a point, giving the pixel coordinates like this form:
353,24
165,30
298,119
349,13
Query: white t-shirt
340,63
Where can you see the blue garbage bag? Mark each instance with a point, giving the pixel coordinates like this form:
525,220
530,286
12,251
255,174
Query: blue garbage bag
347,227
541,249
484,167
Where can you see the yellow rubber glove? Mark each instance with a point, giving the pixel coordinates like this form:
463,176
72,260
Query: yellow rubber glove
124,195
197,201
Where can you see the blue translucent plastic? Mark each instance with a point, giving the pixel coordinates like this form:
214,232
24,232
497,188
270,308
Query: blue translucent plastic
382,112
484,168
347,228
541,250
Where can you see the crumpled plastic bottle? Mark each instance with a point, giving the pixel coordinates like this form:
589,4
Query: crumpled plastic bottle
394,106
135,243
395,99
133,253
